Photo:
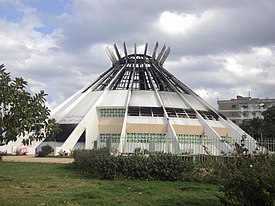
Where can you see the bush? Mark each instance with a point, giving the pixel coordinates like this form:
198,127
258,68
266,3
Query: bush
18,152
247,180
45,151
243,180
2,153
90,161
99,163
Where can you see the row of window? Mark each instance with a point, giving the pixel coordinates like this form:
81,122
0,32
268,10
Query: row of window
112,112
193,139
111,138
209,115
181,113
157,138
146,111
158,112
145,137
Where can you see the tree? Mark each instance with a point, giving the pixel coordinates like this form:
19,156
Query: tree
21,113
247,180
269,122
253,127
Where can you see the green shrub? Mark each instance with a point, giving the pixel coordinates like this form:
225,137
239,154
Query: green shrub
99,163
90,161
247,180
2,154
45,151
243,180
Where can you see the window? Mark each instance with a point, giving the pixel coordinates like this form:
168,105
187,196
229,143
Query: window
141,79
145,138
110,141
108,112
193,139
234,106
191,113
181,113
133,111
171,112
210,115
146,111
157,111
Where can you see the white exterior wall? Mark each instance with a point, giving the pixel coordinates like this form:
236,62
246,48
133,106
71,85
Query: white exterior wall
76,112
114,99
144,99
171,99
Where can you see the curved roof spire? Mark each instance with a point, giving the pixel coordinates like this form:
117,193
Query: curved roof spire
116,57
137,71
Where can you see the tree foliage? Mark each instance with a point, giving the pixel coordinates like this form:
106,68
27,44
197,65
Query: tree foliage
261,128
247,181
269,123
22,113
254,127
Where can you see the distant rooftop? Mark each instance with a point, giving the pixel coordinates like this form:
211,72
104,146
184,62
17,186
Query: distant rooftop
240,98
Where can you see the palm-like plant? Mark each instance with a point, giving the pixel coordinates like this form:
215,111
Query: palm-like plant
254,127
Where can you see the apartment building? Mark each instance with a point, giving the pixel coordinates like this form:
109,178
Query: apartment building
244,108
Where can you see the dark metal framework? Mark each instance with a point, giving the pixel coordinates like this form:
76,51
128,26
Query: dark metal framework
138,72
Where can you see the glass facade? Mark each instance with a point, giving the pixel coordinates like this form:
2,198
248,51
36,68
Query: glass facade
193,139
145,137
110,112
109,141
113,138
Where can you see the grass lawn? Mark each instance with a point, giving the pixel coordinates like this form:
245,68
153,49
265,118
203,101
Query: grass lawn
58,184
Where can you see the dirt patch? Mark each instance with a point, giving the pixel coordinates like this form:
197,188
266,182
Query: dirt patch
30,158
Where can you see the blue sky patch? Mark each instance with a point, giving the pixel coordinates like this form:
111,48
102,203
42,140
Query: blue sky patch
54,7
10,13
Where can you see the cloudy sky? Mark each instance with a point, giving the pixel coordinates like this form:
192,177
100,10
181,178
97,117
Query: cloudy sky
219,48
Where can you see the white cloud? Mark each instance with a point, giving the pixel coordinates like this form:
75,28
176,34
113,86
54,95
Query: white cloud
227,74
177,23
182,23
218,48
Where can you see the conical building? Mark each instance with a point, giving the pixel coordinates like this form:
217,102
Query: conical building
139,104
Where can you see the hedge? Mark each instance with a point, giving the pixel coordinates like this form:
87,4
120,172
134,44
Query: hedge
244,180
99,163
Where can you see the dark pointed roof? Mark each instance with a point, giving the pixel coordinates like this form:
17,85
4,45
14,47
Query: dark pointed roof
138,72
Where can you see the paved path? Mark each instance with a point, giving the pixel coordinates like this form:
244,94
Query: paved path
30,158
